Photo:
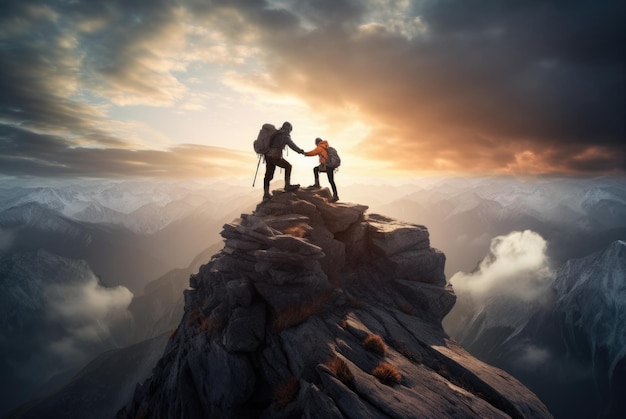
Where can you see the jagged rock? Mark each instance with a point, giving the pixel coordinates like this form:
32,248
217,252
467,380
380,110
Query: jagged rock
288,294
275,326
222,379
419,265
334,250
391,236
274,256
240,292
243,244
234,264
288,221
317,402
297,245
340,216
246,329
428,298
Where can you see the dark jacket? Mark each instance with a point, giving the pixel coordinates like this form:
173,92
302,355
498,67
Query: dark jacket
280,140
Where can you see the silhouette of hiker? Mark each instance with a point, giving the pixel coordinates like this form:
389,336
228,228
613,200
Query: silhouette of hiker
274,158
320,150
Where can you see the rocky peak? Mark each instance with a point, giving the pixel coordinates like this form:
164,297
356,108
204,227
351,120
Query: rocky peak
319,309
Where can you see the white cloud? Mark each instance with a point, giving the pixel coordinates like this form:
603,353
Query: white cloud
517,265
87,313
533,357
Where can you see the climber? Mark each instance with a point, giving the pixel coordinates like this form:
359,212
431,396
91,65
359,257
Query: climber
321,149
274,157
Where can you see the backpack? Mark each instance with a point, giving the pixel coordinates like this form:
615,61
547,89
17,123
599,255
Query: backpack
264,139
333,159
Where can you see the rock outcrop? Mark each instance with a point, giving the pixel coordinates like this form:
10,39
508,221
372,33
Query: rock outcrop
317,309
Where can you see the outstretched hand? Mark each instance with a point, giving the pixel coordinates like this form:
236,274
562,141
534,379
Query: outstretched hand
301,151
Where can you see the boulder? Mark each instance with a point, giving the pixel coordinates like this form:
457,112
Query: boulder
390,236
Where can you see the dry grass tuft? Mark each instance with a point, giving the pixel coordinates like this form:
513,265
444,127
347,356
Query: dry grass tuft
374,343
286,392
211,325
298,313
387,373
194,316
204,325
341,370
215,325
173,332
296,231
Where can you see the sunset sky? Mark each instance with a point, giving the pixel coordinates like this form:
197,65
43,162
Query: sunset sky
163,88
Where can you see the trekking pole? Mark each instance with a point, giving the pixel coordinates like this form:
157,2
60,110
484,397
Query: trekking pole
257,171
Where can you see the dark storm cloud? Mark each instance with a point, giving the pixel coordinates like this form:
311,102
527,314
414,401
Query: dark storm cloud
562,61
544,77
533,86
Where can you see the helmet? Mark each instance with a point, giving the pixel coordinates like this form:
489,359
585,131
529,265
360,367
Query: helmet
287,126
318,140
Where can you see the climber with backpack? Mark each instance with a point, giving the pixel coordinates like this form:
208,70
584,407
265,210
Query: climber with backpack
329,162
270,144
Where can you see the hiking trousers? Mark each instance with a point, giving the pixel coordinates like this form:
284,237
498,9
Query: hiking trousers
330,171
270,168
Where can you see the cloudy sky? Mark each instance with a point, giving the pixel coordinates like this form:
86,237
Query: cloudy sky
160,88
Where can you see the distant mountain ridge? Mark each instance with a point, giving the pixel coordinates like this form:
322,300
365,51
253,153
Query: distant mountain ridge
141,207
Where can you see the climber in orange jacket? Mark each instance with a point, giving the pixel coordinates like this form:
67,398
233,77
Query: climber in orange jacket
320,150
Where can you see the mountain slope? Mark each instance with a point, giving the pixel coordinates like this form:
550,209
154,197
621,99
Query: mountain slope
315,309
569,346
98,389
55,316
591,310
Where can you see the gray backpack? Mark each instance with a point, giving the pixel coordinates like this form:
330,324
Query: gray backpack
263,141
333,161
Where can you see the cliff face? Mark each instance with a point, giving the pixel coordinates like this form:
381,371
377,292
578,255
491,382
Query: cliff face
315,309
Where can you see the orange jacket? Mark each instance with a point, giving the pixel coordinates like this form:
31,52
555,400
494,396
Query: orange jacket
320,150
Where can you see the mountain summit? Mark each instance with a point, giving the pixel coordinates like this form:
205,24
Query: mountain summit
319,309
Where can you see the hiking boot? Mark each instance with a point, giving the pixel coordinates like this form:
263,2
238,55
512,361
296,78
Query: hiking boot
267,197
335,198
291,187
315,186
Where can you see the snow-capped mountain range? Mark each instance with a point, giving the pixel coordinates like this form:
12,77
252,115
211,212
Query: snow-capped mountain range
142,207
